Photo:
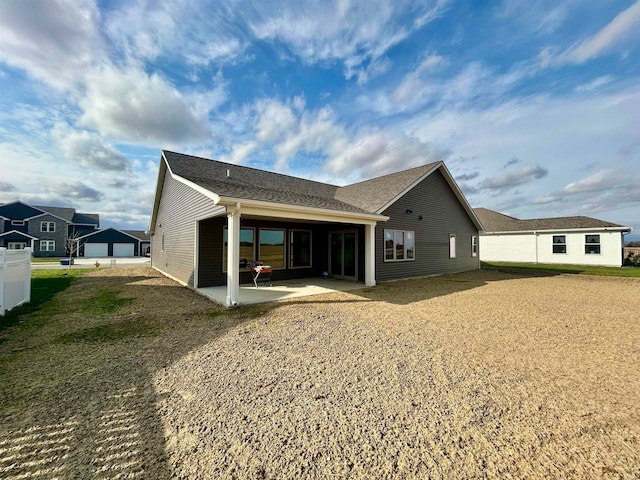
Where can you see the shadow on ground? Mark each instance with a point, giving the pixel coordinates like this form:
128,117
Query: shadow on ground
76,392
406,292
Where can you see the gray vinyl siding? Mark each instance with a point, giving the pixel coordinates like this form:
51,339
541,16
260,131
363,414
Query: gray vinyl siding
179,208
59,236
442,215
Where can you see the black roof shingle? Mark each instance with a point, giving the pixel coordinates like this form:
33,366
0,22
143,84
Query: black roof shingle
236,181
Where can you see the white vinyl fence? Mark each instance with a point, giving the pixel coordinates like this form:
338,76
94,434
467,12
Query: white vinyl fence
15,278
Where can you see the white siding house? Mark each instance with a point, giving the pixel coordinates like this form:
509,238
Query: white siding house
566,240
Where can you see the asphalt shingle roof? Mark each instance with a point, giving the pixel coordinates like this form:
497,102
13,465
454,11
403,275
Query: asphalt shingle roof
139,234
254,184
372,195
62,212
497,222
86,218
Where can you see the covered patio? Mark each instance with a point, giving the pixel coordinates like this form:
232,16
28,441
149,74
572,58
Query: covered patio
248,294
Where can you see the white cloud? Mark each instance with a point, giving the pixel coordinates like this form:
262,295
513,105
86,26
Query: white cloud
274,120
594,84
89,149
315,132
507,181
426,87
75,190
356,33
55,41
240,152
135,107
625,26
199,32
374,153
7,187
540,17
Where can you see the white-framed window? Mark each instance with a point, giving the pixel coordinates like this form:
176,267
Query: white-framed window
452,245
271,249
559,244
592,244
17,223
47,245
399,245
247,246
47,226
474,246
16,245
299,248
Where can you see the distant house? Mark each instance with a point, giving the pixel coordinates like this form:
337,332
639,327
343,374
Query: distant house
562,240
210,218
44,229
111,242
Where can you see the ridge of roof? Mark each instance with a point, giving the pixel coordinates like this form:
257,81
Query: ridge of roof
243,167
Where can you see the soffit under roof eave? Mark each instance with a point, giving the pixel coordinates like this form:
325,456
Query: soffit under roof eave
271,209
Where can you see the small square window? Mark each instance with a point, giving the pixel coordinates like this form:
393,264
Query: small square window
47,245
47,226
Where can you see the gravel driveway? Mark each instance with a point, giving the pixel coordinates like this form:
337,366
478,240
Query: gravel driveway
476,375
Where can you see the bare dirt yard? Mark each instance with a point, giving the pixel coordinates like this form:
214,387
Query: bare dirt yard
476,375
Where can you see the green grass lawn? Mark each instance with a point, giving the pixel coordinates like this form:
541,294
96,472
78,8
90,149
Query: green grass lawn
44,286
575,269
46,260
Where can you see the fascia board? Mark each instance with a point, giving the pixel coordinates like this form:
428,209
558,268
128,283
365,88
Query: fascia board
560,230
19,233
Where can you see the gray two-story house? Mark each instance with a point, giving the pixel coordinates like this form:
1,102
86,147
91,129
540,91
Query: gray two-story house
44,229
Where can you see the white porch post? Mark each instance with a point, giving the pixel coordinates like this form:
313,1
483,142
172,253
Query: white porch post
370,255
233,256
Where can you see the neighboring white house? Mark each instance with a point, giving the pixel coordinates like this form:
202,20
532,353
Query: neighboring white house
563,240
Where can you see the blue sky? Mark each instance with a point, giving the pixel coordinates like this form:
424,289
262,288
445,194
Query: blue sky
534,106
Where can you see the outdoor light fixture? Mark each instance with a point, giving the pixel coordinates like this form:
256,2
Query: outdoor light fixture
409,211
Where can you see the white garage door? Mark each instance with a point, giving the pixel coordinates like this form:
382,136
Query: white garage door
123,249
96,249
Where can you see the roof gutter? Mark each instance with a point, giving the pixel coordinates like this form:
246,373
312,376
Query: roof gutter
555,230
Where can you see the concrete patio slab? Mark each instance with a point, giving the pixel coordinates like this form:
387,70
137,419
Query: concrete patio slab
250,295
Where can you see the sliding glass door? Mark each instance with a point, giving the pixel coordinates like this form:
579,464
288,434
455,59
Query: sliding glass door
343,254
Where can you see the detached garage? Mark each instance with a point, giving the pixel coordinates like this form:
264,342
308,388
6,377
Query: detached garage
109,243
